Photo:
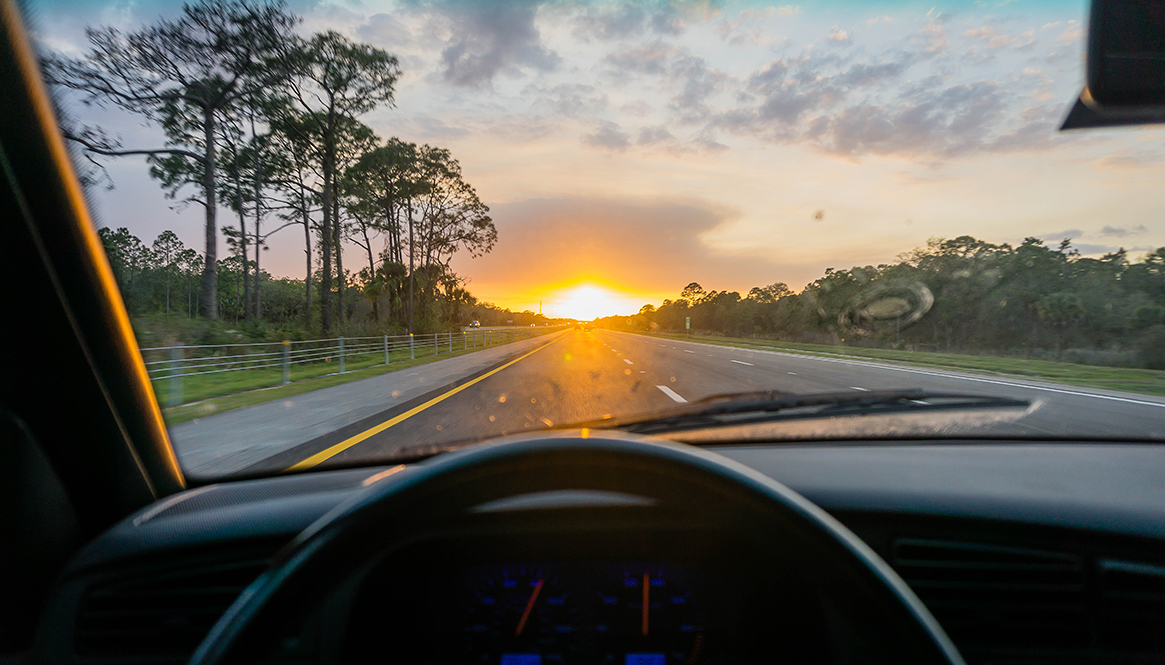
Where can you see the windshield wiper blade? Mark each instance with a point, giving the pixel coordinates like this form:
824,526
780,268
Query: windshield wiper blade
748,408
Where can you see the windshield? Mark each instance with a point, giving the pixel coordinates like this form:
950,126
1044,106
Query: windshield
357,232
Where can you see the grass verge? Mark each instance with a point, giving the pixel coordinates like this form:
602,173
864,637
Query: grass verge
1144,381
233,391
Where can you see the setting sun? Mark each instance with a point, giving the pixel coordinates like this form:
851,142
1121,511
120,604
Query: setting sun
589,302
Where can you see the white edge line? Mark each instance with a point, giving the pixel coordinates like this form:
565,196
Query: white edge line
672,394
908,370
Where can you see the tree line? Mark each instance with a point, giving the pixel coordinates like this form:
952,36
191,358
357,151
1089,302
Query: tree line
265,123
956,295
164,277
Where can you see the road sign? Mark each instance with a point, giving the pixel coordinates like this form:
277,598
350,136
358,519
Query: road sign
687,323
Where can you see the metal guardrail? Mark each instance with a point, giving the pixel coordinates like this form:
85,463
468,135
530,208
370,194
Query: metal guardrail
311,358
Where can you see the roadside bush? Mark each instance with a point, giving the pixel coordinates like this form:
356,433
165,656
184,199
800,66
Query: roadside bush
1101,357
1151,347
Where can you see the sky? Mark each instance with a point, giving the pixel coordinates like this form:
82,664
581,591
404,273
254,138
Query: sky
631,148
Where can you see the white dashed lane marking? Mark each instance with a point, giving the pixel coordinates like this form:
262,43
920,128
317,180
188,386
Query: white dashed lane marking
672,394
628,361
741,362
865,390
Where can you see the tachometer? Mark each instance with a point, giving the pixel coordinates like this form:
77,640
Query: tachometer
650,616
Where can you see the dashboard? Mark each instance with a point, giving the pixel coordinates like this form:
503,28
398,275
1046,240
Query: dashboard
1025,553
551,610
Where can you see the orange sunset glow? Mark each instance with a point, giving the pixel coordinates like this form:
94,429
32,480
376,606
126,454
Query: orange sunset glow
744,147
587,302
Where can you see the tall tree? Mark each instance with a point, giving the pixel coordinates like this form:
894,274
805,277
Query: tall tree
289,169
167,249
335,81
181,74
453,217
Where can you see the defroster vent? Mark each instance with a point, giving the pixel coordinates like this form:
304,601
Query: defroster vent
995,597
161,617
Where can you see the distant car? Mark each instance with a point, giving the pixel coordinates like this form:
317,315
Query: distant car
475,324
533,324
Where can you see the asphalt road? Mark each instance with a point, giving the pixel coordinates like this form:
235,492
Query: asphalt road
579,376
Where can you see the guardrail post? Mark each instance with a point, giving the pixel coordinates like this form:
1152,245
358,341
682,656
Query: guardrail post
286,362
464,341
175,396
412,348
436,349
386,349
341,339
450,333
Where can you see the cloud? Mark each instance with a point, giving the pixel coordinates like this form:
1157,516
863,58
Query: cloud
487,39
638,108
655,135
688,77
1070,36
838,36
630,20
949,121
660,138
854,106
1129,159
746,29
782,96
990,36
932,36
651,243
1060,235
695,82
1122,232
654,59
574,100
608,137
430,127
385,31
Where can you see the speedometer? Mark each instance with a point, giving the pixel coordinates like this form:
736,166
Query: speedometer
519,615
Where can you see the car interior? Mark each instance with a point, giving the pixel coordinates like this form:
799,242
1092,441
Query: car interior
916,550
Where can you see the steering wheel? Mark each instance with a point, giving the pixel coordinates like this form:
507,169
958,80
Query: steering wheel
445,490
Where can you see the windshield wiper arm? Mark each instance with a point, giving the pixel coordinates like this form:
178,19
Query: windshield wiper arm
747,408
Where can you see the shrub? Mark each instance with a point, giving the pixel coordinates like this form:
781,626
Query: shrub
1151,347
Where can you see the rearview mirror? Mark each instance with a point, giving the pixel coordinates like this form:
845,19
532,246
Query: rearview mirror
1126,66
1126,53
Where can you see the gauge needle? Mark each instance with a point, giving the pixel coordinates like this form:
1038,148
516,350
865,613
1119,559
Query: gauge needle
646,599
529,606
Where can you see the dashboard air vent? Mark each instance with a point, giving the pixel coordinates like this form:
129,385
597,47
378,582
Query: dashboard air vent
159,617
988,596
1132,606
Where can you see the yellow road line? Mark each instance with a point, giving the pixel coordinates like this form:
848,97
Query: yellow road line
372,431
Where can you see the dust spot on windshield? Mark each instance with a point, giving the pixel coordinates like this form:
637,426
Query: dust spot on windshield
886,307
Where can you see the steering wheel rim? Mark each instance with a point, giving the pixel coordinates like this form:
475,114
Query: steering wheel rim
364,526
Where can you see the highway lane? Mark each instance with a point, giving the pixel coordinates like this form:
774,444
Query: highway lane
579,376
1066,411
